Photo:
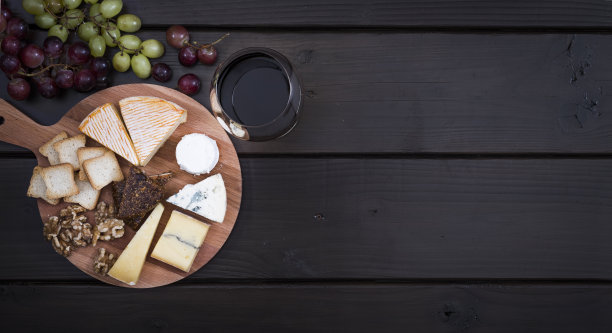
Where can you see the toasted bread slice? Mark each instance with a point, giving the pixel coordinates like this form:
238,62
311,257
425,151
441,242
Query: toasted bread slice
67,150
48,151
87,196
86,153
102,170
105,126
59,180
37,188
150,122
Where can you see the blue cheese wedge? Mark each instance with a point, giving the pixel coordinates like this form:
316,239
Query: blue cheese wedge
206,198
129,264
181,240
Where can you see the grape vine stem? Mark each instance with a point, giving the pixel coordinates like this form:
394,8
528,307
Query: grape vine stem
205,46
42,70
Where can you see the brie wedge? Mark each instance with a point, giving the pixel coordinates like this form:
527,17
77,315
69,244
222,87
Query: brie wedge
206,198
150,121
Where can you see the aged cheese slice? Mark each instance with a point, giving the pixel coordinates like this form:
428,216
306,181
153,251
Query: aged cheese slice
150,121
181,240
207,198
129,264
105,126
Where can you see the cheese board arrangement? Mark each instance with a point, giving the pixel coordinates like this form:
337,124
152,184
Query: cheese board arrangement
138,185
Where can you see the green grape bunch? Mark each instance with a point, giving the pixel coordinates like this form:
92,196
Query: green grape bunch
101,26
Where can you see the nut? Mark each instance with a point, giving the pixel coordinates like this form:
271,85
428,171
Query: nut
51,228
104,211
104,261
108,230
68,231
60,246
107,226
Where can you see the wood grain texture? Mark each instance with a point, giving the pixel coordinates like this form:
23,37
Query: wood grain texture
307,218
308,308
372,13
154,273
392,92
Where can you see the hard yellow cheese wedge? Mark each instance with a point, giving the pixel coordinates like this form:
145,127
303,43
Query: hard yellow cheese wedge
181,241
129,264
150,121
105,126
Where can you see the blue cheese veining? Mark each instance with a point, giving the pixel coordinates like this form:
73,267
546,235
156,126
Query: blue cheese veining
206,198
181,241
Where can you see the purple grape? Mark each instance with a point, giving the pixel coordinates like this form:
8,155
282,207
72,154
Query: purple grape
53,47
100,66
189,84
177,36
84,80
38,79
78,53
17,27
188,56
11,45
6,13
32,56
18,89
3,24
162,72
9,64
207,55
64,78
102,82
47,87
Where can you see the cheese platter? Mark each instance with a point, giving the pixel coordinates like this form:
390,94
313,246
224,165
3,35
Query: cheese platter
112,158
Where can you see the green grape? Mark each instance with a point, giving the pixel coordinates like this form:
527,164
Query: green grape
141,66
91,1
152,48
110,8
87,30
95,15
72,4
121,61
111,34
54,6
97,46
44,20
72,18
59,31
34,7
128,22
130,42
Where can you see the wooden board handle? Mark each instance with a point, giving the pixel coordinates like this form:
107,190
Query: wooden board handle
18,129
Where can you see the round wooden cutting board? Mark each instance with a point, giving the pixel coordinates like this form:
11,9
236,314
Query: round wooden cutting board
20,130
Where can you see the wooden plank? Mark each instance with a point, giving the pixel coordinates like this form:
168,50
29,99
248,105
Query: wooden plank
373,13
305,308
388,92
379,218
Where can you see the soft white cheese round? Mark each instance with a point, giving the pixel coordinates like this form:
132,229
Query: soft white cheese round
197,154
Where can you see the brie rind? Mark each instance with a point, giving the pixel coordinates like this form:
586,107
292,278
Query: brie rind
197,154
207,198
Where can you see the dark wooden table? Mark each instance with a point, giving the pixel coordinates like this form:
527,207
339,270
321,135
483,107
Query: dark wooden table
452,172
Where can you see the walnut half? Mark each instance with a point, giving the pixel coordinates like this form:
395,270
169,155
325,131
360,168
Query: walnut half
104,261
107,226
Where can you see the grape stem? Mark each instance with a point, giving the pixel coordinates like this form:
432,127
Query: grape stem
199,46
21,72
108,28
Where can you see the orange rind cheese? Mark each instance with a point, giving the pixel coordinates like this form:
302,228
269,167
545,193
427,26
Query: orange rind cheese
150,122
105,126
